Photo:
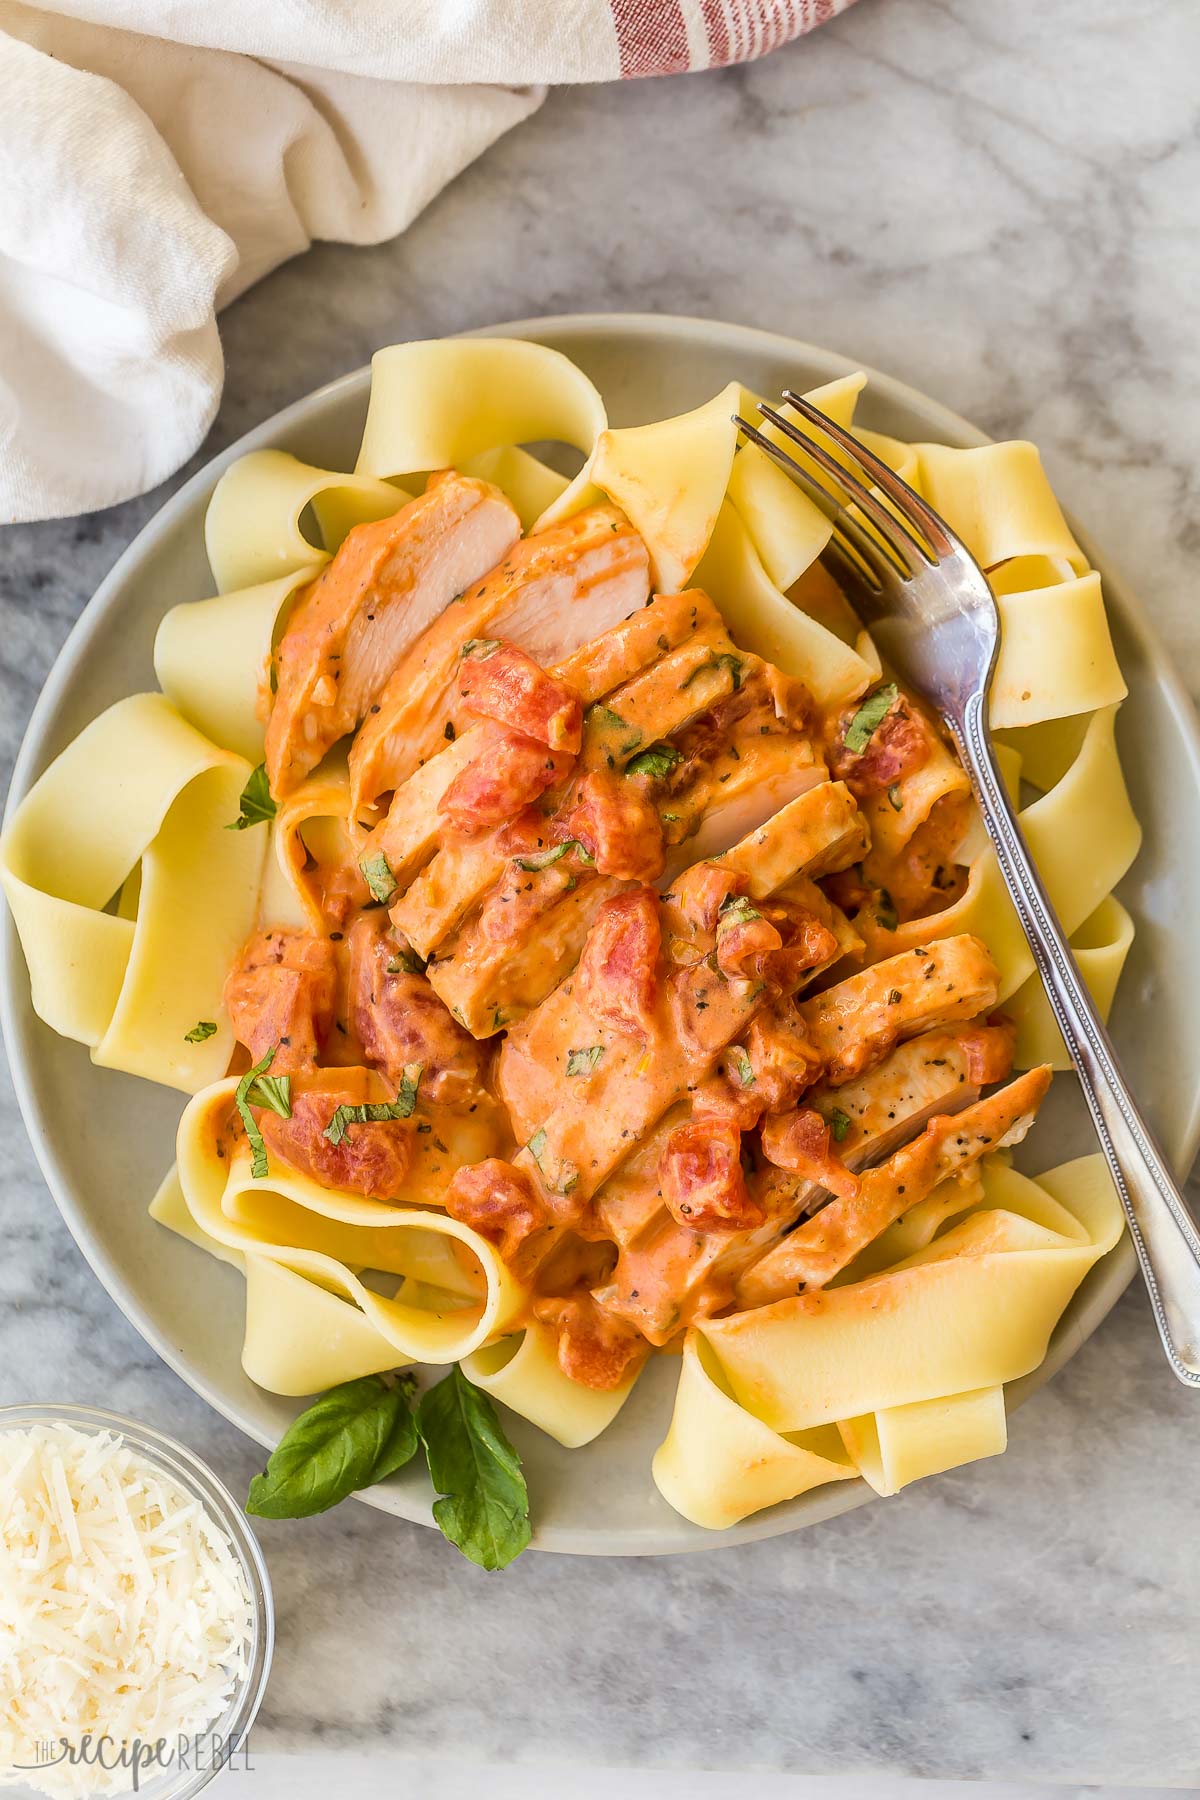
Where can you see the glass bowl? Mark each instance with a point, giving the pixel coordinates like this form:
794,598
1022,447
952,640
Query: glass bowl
226,1735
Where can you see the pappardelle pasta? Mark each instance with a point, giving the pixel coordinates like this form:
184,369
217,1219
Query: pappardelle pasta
578,948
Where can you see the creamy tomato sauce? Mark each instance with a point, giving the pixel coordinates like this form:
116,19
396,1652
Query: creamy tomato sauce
598,952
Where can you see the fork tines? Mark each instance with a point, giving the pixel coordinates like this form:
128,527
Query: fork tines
905,531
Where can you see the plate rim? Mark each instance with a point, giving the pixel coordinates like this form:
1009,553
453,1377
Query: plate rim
31,758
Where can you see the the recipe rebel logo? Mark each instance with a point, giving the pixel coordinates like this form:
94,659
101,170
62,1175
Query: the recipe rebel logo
205,1753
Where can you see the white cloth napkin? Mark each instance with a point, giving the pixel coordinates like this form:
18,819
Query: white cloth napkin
159,156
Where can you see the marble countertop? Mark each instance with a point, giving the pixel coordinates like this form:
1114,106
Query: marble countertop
999,204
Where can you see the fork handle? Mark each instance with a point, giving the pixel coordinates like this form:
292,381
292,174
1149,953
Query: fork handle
1164,1236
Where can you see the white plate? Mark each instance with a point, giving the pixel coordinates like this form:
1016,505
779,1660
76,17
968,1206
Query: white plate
104,1140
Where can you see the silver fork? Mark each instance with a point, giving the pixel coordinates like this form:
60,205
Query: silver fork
933,616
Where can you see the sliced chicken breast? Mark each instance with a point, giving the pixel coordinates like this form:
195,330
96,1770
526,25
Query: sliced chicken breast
551,593
667,1275
414,831
855,1023
386,585
811,1256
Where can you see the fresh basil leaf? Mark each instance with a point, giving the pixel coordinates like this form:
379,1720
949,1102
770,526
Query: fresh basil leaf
200,1033
734,664
406,962
377,1112
741,1064
257,806
870,717
479,649
839,1124
377,873
582,1062
657,762
353,1436
485,1506
250,1093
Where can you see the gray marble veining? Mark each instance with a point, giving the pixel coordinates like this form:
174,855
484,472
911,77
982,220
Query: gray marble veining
999,204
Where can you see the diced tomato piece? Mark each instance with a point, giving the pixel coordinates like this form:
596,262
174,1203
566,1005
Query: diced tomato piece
617,979
371,1158
801,1142
727,1101
703,1182
501,682
594,1348
989,1049
499,1202
783,1061
807,944
399,1020
700,891
617,823
745,939
900,745
509,772
280,994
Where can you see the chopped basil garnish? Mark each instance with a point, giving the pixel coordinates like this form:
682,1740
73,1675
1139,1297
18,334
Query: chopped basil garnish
725,660
257,1088
895,798
448,733
541,859
257,806
604,715
582,1062
406,962
201,1031
377,873
740,1063
870,717
568,1176
885,911
480,648
839,1124
377,1112
736,909
657,762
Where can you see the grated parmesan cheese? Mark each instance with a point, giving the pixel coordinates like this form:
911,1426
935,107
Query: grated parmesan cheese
124,1611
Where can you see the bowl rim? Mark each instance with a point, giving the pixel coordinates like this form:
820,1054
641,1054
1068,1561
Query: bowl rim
32,757
199,1482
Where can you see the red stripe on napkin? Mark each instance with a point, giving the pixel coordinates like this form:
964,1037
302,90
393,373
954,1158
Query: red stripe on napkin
652,35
